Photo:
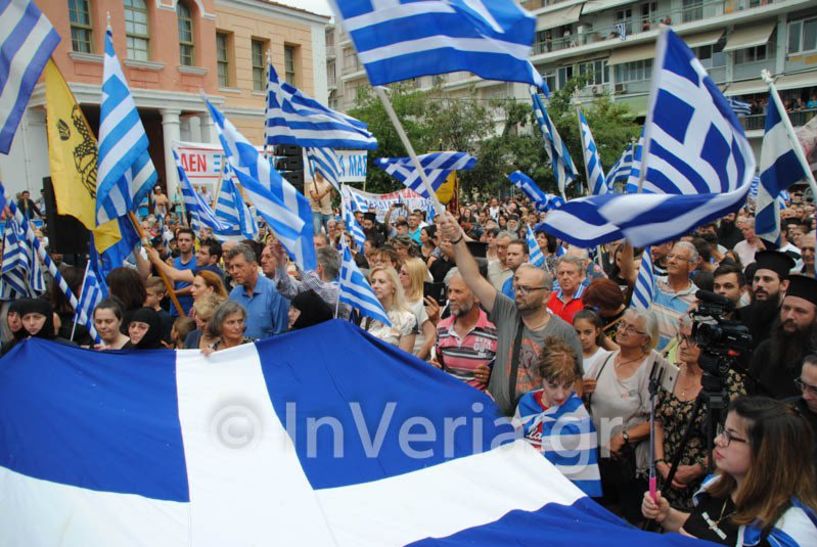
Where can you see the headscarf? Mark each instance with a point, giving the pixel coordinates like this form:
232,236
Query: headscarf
26,306
14,307
313,308
153,337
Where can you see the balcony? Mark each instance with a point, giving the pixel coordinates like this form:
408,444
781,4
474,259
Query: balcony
798,118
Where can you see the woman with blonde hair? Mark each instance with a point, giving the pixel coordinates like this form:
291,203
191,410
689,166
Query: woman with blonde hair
413,274
389,292
204,308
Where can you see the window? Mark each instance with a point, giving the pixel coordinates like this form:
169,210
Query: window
597,72
563,75
259,65
289,64
803,35
81,38
550,80
753,54
350,63
136,30
693,10
712,56
637,71
331,75
223,58
625,17
185,34
330,38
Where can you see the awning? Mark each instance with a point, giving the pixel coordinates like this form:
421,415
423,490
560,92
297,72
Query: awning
755,35
703,39
746,87
632,54
793,81
593,6
557,18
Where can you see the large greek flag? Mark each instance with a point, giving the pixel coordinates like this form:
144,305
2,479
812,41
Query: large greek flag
564,171
21,274
294,118
621,169
438,166
322,436
286,211
232,211
402,39
595,173
27,41
356,291
125,172
644,283
697,164
326,162
781,165
530,189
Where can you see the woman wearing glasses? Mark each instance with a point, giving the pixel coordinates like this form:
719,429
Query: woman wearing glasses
763,491
619,402
674,412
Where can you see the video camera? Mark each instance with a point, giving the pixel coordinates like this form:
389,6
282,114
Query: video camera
722,341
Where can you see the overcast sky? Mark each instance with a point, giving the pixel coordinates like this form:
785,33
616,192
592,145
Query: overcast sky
316,6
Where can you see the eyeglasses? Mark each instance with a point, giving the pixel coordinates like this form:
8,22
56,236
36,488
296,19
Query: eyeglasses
689,340
804,387
630,329
522,289
728,436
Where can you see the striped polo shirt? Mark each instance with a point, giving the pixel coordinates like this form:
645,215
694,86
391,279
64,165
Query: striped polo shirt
669,306
460,357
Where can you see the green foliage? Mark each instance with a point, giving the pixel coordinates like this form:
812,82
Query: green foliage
434,122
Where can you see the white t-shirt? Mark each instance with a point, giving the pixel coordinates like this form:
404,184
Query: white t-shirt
591,364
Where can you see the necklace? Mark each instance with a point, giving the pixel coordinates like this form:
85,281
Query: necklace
628,361
714,525
690,385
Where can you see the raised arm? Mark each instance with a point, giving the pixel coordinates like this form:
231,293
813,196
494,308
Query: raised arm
467,264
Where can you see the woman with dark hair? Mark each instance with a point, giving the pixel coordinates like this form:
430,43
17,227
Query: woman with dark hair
65,311
108,317
145,329
308,309
15,325
605,298
129,287
428,247
763,491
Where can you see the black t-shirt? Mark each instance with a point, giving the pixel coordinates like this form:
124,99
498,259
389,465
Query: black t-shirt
710,520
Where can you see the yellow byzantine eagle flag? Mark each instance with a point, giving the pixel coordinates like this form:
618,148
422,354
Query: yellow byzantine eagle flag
72,153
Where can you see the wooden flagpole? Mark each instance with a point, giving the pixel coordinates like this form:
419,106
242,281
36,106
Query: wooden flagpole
168,285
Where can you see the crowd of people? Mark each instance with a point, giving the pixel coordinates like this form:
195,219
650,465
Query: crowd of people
554,342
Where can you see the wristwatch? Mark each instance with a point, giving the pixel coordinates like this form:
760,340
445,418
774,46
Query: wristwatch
626,436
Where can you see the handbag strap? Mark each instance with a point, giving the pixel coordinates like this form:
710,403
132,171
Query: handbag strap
517,344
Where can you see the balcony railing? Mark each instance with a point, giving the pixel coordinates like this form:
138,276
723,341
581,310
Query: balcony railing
797,117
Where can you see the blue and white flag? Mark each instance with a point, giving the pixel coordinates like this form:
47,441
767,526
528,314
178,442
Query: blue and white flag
201,213
620,171
93,291
232,211
563,169
348,208
644,283
780,167
356,291
294,118
349,439
634,176
740,108
535,255
592,160
326,162
530,189
697,164
438,166
286,211
125,172
401,39
21,275
27,43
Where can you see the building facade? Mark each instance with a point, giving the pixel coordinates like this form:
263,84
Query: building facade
171,51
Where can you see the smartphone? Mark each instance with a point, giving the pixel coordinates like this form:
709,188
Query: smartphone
478,249
668,376
436,291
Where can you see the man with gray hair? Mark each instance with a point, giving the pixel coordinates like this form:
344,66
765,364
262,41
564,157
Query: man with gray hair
675,292
567,300
266,309
498,269
322,280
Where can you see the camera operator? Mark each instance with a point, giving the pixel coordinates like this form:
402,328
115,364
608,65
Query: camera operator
769,284
763,491
776,362
730,282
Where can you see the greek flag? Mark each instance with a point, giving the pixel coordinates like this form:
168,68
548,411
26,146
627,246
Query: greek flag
27,43
232,211
125,172
93,291
563,169
403,39
201,214
697,163
356,291
530,189
592,160
286,211
621,169
644,283
780,167
348,206
294,118
635,167
21,275
740,108
438,166
535,255
326,162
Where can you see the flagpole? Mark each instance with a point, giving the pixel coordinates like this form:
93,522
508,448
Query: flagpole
81,291
384,98
798,150
171,293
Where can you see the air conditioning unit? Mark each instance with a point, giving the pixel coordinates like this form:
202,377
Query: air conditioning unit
621,89
597,90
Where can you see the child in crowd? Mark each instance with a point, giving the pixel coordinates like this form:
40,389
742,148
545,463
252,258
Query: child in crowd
555,422
156,292
182,326
588,327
